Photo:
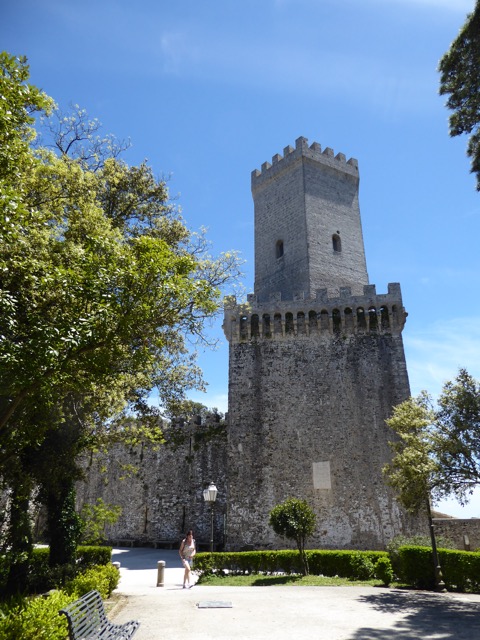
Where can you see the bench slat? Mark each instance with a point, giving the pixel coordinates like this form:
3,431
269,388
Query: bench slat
87,620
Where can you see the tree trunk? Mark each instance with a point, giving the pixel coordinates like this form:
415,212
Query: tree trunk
303,556
19,539
63,524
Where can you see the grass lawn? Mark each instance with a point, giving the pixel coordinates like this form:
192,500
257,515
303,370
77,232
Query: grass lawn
260,580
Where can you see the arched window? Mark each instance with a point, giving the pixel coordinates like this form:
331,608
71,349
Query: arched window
385,319
348,318
324,325
395,316
301,323
279,249
255,328
312,320
372,319
289,326
277,323
243,328
336,243
267,330
336,321
361,320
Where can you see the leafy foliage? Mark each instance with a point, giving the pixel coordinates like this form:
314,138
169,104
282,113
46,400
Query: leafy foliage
362,567
103,578
384,571
36,618
460,80
412,470
460,569
438,450
95,517
103,294
296,520
457,436
415,567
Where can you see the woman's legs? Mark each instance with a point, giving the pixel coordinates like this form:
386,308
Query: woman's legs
186,575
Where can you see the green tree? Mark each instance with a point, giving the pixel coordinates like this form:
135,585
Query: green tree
437,451
295,520
413,470
95,517
101,286
457,437
460,80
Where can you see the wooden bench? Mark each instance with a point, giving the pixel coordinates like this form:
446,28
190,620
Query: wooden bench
87,619
167,544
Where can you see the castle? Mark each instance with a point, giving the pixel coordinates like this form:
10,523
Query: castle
316,363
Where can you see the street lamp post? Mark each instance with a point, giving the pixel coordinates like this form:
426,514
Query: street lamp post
210,495
439,583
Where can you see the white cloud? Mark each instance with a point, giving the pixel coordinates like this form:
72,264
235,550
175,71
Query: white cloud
310,67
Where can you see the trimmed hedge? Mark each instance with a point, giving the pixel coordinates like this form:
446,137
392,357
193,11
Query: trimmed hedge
91,556
345,564
42,577
460,569
412,565
103,578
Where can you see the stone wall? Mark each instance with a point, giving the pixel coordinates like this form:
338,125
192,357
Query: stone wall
160,491
316,363
307,420
464,533
302,200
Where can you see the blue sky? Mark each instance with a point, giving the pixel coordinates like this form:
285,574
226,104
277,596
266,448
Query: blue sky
207,91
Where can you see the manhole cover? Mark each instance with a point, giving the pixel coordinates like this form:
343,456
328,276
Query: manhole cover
214,604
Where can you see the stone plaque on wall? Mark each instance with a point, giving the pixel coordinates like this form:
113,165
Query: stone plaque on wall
321,475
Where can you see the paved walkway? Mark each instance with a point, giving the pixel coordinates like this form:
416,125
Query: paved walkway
280,613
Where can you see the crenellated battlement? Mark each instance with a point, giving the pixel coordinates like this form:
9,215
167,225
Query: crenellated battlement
322,314
302,150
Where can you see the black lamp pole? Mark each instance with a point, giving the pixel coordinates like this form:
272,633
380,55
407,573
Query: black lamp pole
439,583
210,495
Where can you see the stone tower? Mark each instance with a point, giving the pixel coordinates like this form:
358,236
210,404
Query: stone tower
316,363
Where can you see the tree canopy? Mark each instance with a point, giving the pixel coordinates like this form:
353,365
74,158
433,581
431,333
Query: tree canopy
103,293
438,448
100,279
460,80
412,471
296,520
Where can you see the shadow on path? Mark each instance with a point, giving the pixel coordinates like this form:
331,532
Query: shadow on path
425,615
136,559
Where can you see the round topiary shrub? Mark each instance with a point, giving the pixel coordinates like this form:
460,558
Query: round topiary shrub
384,571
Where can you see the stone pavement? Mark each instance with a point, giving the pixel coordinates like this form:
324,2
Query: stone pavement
258,613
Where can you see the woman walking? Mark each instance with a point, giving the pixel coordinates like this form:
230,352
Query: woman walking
187,551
